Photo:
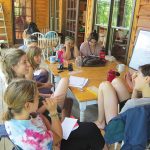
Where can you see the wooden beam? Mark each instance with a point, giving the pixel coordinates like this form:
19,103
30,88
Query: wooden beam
134,30
89,18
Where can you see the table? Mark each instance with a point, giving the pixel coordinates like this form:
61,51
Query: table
96,75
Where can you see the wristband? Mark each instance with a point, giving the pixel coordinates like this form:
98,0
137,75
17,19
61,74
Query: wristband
54,115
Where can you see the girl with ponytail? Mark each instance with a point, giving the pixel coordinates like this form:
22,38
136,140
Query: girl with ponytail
25,127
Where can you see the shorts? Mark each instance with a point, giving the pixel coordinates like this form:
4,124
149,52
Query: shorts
121,104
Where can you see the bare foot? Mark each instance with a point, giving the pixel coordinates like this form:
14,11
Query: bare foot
100,125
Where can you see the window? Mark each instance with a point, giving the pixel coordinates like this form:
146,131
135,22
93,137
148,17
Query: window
57,15
102,12
118,33
122,13
22,14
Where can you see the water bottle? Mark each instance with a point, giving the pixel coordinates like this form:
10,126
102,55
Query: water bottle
111,75
78,61
102,54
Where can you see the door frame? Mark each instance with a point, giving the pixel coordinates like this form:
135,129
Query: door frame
19,41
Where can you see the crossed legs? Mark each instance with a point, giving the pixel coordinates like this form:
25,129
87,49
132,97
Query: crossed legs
109,95
64,103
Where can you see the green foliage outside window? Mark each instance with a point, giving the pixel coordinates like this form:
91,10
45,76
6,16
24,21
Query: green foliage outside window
102,13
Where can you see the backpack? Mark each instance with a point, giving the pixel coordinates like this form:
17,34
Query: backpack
93,61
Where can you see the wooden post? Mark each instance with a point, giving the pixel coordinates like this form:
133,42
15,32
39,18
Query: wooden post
109,24
89,18
134,29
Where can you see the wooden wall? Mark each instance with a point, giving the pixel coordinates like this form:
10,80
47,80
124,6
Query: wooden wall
41,14
89,18
62,15
7,8
141,21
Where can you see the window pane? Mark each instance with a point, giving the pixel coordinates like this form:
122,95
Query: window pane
128,13
102,13
22,13
122,12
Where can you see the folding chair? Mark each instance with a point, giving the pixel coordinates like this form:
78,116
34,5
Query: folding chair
41,42
52,40
3,134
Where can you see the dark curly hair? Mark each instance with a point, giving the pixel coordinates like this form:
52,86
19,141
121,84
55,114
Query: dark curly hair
94,35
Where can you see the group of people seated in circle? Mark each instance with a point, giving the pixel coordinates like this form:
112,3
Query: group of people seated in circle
32,120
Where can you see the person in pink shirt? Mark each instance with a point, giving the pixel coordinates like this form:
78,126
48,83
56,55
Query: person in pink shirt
91,46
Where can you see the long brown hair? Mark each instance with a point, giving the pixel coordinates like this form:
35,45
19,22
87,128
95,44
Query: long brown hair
8,59
18,92
31,52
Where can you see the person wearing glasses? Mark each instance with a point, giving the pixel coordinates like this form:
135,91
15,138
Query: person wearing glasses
91,47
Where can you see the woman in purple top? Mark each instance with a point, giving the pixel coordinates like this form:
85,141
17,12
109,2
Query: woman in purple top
91,46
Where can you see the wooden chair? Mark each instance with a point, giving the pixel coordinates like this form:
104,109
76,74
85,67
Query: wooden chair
52,40
41,42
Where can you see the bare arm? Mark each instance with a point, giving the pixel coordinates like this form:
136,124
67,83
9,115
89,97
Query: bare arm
29,76
135,93
51,106
44,85
76,51
67,53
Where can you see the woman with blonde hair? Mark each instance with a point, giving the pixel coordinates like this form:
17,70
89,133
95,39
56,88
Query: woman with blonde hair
26,128
30,130
14,64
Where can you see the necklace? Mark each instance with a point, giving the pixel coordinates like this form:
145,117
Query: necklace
92,53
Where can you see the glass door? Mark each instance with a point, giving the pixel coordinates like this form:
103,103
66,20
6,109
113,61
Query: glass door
54,15
114,16
75,19
71,17
120,29
22,13
57,15
102,19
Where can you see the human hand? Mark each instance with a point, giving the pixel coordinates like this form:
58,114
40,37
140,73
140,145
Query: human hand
67,44
128,79
134,75
51,105
48,85
128,76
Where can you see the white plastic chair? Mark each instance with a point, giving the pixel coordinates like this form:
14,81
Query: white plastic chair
52,40
41,42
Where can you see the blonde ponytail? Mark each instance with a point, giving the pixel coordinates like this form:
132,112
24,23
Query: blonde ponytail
18,92
8,115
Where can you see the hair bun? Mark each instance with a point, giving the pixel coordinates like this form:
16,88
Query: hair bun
94,32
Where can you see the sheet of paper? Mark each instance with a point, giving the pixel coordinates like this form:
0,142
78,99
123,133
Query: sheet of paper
141,52
37,72
67,126
75,72
77,81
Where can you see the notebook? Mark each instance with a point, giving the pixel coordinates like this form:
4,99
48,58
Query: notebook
77,81
68,125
